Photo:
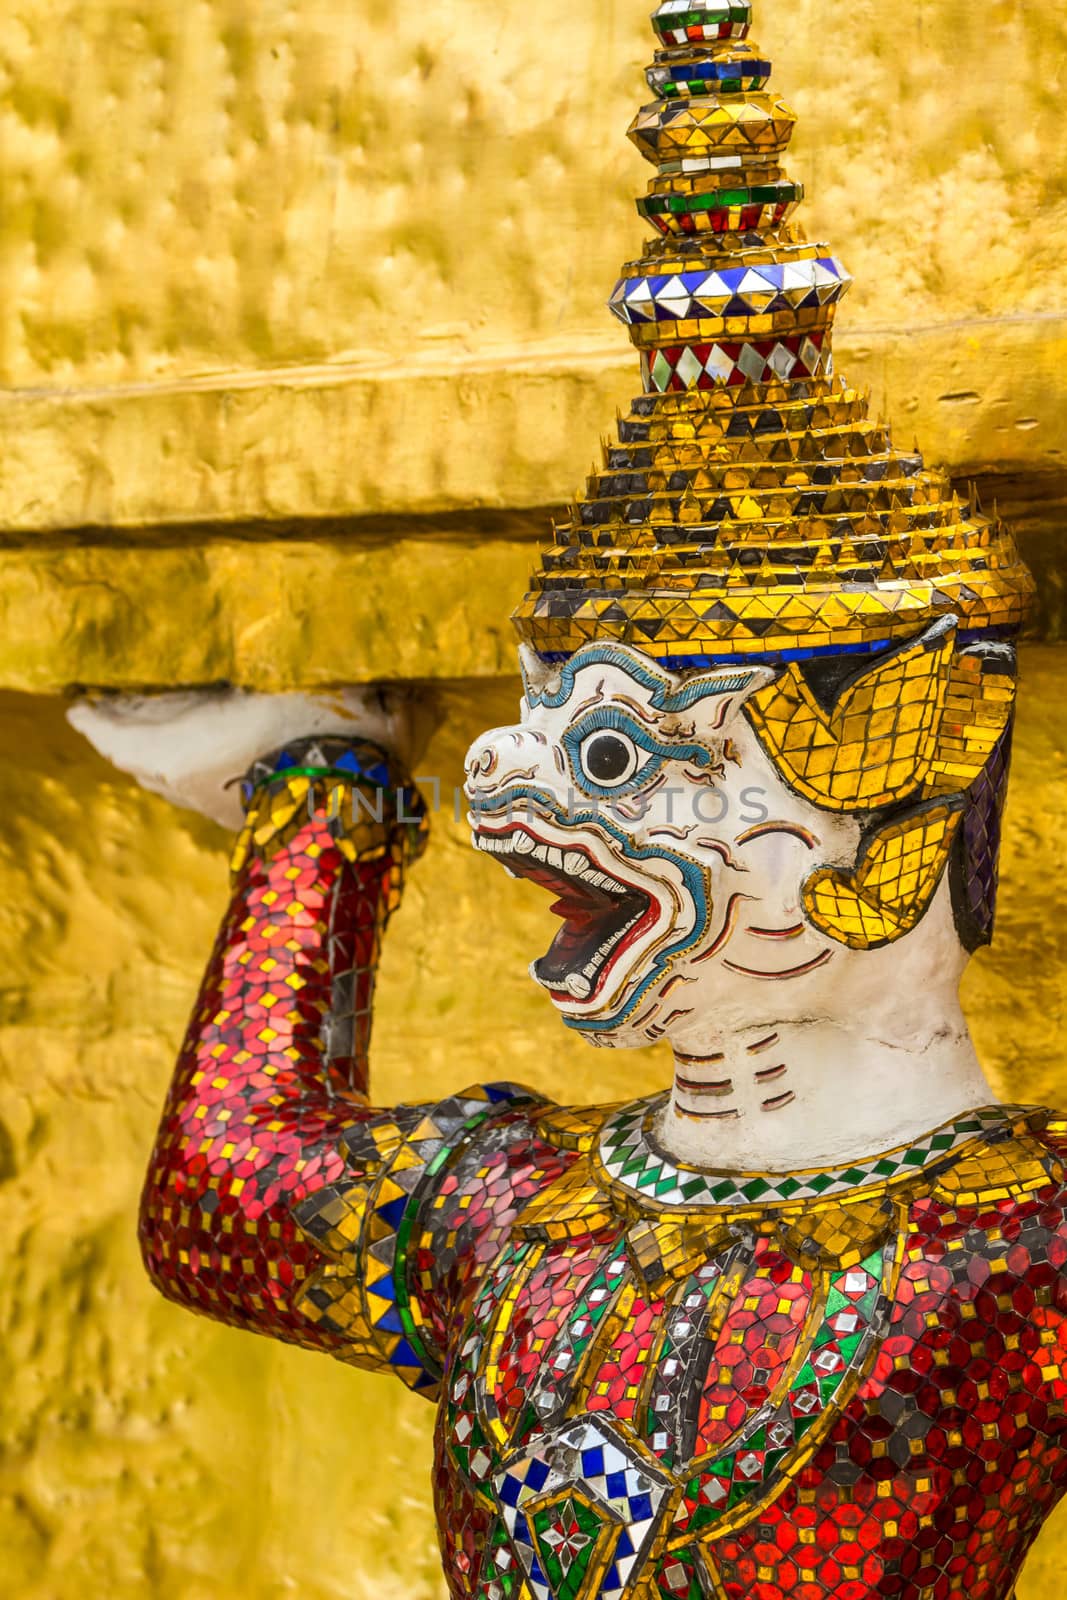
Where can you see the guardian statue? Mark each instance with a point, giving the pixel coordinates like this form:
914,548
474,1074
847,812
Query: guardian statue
792,1328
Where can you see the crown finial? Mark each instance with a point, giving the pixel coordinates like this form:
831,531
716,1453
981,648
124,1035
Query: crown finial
729,293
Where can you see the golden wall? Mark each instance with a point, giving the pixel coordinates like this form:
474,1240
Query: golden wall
301,335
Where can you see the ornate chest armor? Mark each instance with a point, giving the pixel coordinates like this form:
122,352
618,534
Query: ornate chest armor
656,1381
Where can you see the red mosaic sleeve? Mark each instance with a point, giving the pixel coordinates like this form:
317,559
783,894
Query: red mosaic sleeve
273,1070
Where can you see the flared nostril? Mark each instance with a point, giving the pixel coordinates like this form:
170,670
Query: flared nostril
481,763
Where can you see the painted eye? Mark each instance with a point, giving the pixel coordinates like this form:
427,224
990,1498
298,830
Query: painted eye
609,758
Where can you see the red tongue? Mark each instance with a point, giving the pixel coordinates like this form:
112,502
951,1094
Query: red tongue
582,916
578,910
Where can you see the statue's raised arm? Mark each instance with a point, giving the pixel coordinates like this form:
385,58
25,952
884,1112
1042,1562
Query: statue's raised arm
278,1198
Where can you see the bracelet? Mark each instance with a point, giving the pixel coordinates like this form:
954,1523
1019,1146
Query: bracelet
279,789
357,762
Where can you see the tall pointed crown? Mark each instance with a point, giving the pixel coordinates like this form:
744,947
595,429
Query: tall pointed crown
750,508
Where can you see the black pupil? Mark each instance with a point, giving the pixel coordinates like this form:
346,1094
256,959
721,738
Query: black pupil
607,758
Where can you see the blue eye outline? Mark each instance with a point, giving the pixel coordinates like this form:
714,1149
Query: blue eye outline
612,719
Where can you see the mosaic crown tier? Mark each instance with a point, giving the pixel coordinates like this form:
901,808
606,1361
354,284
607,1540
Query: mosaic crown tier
750,507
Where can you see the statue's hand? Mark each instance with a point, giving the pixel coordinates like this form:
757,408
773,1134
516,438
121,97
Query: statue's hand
192,746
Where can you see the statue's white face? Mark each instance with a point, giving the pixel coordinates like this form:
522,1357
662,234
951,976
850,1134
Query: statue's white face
675,853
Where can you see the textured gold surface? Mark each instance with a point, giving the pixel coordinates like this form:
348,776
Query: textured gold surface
517,430
244,249
239,280
150,1453
407,603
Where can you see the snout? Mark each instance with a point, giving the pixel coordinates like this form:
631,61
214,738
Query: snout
481,762
504,757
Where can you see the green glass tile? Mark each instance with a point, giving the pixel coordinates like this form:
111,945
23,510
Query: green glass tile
850,1343
741,1491
835,1300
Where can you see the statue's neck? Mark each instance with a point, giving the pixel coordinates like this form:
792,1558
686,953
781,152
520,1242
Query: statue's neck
783,1095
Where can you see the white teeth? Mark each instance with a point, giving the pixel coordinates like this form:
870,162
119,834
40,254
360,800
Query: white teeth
578,985
572,862
593,967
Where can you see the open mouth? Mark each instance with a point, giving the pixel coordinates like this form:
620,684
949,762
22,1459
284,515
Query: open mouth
602,916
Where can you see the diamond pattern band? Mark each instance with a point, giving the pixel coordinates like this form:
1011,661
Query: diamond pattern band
711,366
630,1158
731,291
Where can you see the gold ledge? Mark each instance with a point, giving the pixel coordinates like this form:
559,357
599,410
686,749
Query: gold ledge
265,615
307,611
515,430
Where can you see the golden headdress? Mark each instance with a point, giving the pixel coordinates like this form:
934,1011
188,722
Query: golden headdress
751,510
750,507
